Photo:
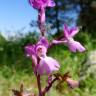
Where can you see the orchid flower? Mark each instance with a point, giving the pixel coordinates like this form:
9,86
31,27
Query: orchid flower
40,5
46,64
69,41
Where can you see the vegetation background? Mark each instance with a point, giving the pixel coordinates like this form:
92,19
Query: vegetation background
15,68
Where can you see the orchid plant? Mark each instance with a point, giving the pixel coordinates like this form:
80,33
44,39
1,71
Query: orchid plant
43,64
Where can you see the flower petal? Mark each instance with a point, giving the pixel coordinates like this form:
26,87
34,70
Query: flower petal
38,4
29,50
47,65
44,41
74,46
80,48
74,31
66,31
35,4
51,3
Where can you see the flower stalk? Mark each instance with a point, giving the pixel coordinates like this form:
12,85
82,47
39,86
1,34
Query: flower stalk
43,64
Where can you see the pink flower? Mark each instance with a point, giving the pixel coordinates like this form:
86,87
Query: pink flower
69,41
32,49
40,5
46,64
44,41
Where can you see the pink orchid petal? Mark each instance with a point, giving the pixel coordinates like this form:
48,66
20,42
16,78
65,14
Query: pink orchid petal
29,50
76,46
35,4
74,31
51,3
66,31
43,41
47,65
80,48
38,4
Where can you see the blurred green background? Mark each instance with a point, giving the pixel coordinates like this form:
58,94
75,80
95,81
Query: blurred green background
15,68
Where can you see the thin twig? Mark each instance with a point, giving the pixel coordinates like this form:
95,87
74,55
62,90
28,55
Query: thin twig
47,88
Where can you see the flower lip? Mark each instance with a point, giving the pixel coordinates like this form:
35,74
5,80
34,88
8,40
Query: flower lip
41,50
48,65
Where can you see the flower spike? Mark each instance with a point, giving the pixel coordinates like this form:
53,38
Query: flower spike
46,64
